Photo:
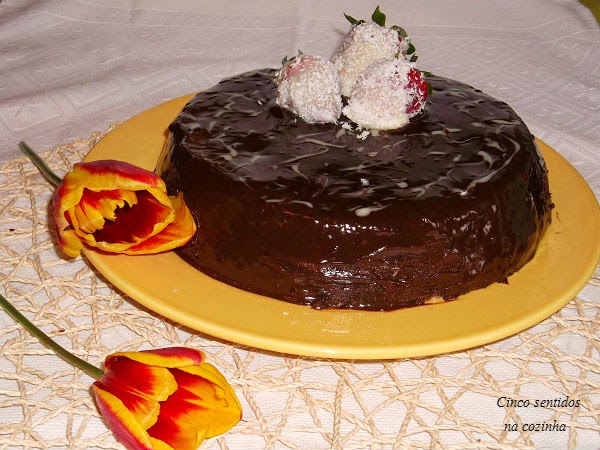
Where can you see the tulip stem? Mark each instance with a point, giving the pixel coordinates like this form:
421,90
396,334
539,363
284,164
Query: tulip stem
89,369
38,162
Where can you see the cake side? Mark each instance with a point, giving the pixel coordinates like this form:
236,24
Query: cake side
314,214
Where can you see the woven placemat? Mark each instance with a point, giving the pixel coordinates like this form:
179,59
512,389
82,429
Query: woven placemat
455,401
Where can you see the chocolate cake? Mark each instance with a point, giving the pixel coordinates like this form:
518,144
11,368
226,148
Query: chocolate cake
320,215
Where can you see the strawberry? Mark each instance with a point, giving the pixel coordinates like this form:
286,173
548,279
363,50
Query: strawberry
418,86
308,86
387,95
292,67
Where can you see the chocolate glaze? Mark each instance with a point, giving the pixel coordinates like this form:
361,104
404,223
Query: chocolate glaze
316,215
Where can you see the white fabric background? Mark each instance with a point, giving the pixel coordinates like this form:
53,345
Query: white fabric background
72,67
69,68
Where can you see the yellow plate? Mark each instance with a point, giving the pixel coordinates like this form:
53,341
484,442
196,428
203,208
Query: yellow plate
164,283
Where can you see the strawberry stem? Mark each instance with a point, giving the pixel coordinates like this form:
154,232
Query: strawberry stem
38,162
89,369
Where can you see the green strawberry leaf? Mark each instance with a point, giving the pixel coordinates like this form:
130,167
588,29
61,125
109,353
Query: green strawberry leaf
352,20
286,60
401,31
378,17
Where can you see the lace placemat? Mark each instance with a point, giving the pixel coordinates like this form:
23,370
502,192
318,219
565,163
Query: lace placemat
489,397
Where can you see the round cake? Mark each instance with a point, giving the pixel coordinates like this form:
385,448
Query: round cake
319,214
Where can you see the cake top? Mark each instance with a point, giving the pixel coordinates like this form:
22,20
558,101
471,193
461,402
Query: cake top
373,73
461,139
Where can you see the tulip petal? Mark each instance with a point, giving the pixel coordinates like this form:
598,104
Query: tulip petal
65,197
174,235
230,410
94,207
111,174
169,357
70,243
136,223
86,219
139,387
160,445
122,423
198,407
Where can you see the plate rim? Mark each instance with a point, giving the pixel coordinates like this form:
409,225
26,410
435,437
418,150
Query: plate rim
136,133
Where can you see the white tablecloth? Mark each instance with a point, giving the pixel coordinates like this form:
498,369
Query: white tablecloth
69,69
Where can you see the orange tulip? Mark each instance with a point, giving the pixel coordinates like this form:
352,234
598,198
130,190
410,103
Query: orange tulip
165,399
155,399
120,208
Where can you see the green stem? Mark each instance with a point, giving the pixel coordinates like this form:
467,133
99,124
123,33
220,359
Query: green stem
50,176
91,370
